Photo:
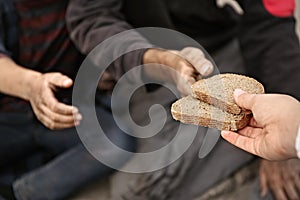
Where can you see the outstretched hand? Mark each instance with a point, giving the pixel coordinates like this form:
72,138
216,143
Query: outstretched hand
185,67
272,131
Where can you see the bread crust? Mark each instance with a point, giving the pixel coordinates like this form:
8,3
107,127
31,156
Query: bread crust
224,105
212,123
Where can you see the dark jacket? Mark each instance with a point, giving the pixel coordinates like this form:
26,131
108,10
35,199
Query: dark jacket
269,44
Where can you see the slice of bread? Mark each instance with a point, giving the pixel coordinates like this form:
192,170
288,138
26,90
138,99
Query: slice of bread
190,110
218,90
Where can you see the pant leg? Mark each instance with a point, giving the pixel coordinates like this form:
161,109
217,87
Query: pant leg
186,178
16,139
189,176
72,169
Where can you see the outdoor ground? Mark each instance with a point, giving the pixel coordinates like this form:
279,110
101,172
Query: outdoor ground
236,187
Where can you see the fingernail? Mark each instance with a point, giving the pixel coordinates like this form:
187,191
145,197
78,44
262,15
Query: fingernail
238,92
205,69
224,133
75,110
77,123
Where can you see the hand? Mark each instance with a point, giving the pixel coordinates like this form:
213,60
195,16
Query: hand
48,110
282,178
189,63
272,131
107,82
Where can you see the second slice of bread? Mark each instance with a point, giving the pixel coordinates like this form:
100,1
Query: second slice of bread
190,110
218,90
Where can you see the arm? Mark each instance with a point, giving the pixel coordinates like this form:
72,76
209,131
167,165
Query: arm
91,22
270,45
38,89
18,86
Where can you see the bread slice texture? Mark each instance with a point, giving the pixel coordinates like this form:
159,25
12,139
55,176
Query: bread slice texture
190,110
218,90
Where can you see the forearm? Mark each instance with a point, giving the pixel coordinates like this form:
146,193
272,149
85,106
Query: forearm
103,19
16,80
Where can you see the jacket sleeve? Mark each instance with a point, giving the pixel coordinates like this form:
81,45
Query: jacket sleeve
90,22
270,45
3,46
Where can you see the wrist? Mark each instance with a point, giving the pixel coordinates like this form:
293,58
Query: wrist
29,82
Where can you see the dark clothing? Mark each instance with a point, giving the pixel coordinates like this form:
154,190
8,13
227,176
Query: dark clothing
43,42
72,167
268,43
8,29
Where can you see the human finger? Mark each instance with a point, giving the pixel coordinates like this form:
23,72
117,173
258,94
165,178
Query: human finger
53,104
56,125
244,99
263,183
290,189
59,80
60,118
197,58
297,182
192,52
240,141
184,86
278,191
251,132
47,122
276,182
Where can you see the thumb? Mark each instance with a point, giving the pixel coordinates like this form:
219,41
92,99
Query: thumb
60,80
244,99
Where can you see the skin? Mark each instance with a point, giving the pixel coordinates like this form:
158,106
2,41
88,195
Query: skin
282,178
38,88
184,68
272,131
187,66
271,134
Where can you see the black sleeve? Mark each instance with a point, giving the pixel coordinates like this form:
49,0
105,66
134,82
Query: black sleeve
90,22
3,45
270,47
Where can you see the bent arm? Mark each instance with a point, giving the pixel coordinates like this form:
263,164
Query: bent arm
91,22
